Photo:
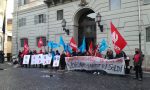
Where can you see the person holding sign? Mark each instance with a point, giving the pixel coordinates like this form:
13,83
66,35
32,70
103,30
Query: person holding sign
30,53
41,52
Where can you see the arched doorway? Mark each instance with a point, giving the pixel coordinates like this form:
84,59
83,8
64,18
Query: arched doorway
86,26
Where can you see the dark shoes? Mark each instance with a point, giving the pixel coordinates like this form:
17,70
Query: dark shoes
135,78
140,79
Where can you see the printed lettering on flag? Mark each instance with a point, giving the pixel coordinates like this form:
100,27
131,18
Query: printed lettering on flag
118,41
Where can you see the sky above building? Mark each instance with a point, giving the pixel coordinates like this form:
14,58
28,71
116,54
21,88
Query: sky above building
10,8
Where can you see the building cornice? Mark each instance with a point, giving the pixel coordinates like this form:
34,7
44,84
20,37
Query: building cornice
42,5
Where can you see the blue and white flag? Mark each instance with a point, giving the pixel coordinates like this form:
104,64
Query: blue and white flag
68,48
82,48
103,45
52,45
61,42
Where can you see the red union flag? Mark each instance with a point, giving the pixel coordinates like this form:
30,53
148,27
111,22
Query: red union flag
40,43
91,48
26,47
118,41
73,44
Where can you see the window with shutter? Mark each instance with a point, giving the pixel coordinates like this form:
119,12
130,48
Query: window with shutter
148,34
114,4
146,1
44,18
59,14
41,18
22,22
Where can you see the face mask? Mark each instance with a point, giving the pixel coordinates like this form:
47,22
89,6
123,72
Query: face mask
136,52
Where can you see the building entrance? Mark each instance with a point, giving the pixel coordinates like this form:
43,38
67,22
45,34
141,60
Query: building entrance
87,28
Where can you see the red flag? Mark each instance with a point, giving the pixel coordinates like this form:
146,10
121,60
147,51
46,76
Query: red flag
40,43
26,47
91,48
96,48
73,44
118,41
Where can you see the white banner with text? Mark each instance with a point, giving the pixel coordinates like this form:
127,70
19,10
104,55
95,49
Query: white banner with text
111,66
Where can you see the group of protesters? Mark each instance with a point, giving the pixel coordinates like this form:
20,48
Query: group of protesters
109,55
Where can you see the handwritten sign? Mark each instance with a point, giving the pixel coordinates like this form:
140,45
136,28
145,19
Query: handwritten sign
33,59
26,59
39,59
56,61
47,59
112,66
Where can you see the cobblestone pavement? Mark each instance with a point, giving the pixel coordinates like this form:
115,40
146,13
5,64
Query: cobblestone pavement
44,79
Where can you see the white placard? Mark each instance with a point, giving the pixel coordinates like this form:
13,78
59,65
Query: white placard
47,59
26,59
34,59
40,59
56,61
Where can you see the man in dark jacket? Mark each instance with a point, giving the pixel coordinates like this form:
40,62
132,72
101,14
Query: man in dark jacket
138,59
62,60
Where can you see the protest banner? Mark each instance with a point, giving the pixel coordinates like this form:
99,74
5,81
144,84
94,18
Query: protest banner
26,59
47,59
34,59
111,66
56,61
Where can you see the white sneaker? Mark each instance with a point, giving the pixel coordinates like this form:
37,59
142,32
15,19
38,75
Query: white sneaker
94,73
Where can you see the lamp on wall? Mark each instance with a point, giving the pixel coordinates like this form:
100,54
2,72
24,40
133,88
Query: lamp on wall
48,2
98,20
64,26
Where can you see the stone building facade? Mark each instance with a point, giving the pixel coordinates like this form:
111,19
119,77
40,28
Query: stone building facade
33,19
2,11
